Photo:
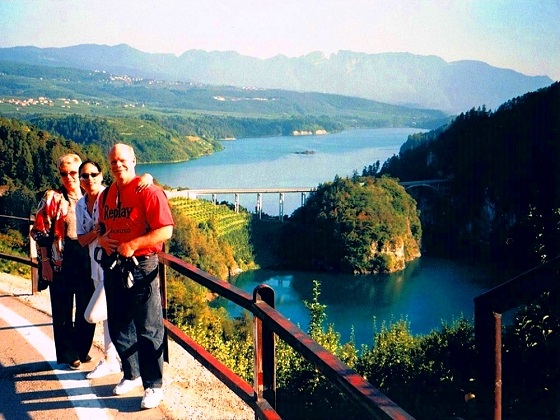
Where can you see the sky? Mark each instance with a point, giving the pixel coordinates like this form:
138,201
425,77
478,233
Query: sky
523,35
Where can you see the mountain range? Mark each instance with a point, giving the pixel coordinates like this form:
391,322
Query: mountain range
394,78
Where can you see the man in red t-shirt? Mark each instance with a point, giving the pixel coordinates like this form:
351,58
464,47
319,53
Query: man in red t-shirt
136,225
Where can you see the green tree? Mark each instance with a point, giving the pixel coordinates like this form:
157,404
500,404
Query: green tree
354,225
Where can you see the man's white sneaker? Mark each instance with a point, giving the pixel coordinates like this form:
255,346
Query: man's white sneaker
152,398
127,385
104,368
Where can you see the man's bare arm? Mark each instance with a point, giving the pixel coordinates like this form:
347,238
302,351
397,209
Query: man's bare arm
152,238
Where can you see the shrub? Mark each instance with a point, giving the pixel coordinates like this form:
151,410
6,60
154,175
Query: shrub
426,375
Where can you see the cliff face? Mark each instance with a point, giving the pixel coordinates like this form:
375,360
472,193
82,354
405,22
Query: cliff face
393,254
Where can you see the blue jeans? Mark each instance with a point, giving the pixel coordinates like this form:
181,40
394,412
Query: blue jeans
135,319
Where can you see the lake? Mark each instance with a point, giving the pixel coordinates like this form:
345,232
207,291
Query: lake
428,292
281,162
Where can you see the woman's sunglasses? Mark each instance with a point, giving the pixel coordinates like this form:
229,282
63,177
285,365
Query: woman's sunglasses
65,174
87,176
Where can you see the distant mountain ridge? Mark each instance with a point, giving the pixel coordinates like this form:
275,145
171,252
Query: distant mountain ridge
395,78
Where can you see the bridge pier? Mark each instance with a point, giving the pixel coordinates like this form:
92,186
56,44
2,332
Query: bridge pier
259,205
281,207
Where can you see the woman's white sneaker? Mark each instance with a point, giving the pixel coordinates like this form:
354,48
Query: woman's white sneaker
127,385
152,398
104,368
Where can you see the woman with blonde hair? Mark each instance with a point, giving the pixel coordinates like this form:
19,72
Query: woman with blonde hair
64,264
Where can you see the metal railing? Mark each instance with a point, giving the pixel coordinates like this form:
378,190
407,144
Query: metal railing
488,310
267,325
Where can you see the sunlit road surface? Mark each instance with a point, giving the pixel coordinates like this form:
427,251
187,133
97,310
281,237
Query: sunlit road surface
34,386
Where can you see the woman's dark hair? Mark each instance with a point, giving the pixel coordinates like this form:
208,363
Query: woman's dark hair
91,162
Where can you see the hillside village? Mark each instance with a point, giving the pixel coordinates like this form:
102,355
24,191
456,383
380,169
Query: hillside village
58,102
43,101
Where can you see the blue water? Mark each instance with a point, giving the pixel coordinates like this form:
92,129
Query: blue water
278,162
428,292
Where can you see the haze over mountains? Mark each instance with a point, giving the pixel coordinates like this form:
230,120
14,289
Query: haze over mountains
395,78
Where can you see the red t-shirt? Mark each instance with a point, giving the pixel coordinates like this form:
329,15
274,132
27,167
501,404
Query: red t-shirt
129,214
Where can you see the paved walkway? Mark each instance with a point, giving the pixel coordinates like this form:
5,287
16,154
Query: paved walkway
34,386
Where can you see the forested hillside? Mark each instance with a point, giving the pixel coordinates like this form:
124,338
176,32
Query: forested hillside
176,121
151,141
28,163
504,183
211,236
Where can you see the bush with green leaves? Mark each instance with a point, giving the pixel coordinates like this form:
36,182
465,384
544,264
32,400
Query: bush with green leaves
229,340
428,375
531,361
302,391
13,242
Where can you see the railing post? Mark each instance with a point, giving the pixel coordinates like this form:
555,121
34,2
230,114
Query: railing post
33,257
497,366
488,336
265,352
484,339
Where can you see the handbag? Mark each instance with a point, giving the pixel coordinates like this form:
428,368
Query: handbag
42,284
96,310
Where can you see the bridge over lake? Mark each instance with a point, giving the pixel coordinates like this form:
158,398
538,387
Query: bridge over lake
437,184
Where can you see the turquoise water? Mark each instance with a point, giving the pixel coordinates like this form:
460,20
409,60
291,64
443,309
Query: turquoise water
428,292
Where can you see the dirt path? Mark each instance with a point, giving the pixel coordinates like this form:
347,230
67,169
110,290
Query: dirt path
33,386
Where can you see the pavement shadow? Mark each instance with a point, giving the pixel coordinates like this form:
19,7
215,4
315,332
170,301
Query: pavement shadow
17,404
11,403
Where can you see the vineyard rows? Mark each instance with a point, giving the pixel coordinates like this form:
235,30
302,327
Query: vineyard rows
219,216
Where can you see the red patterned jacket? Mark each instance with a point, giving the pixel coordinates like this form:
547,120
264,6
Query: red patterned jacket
49,228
